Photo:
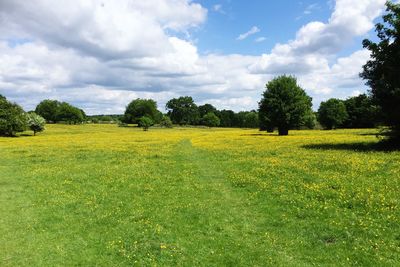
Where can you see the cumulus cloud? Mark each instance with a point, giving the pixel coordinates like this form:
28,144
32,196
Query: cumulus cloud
311,55
250,32
99,55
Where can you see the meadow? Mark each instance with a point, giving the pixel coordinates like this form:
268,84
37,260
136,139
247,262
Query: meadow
102,195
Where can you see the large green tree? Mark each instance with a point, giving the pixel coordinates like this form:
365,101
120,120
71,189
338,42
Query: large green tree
284,104
332,113
362,113
139,108
183,110
12,118
48,109
68,113
382,71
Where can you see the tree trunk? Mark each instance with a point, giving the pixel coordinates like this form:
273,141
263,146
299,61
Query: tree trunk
283,131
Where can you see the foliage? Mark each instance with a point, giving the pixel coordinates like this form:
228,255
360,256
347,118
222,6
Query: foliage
12,118
251,120
210,120
166,122
35,122
48,109
310,120
183,110
284,104
362,113
145,122
382,71
206,108
55,111
70,114
332,113
139,108
226,117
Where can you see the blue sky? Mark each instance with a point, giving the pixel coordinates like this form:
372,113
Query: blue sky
101,54
278,22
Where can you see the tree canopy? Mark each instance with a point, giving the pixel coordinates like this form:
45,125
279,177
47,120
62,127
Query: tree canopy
183,110
362,113
48,109
382,71
210,120
332,113
35,122
284,104
12,118
70,114
139,108
206,108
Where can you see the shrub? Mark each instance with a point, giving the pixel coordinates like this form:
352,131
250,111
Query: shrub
35,122
12,118
145,122
166,122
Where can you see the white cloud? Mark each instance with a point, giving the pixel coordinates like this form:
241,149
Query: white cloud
260,39
100,56
250,32
311,56
310,8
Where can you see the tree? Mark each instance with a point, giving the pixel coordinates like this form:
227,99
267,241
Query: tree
139,108
206,108
69,113
362,113
48,109
332,113
12,118
284,104
35,122
210,120
166,122
310,120
382,71
145,122
251,120
226,117
183,110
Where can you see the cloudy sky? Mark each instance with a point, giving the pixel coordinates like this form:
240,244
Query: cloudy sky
101,54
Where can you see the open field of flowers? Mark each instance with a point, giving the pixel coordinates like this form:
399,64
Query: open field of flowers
104,195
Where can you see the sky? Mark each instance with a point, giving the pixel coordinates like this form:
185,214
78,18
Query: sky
101,54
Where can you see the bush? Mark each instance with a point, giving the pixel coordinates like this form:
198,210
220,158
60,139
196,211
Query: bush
166,122
145,122
12,118
35,122
210,120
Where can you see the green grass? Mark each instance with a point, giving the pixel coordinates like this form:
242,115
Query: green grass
103,195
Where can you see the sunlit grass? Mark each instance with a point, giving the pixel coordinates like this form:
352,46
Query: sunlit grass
105,195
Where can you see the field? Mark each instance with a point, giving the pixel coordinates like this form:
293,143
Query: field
102,195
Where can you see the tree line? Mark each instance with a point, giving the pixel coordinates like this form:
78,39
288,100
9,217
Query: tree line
184,111
284,104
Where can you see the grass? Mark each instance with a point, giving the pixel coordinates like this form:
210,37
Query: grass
103,195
